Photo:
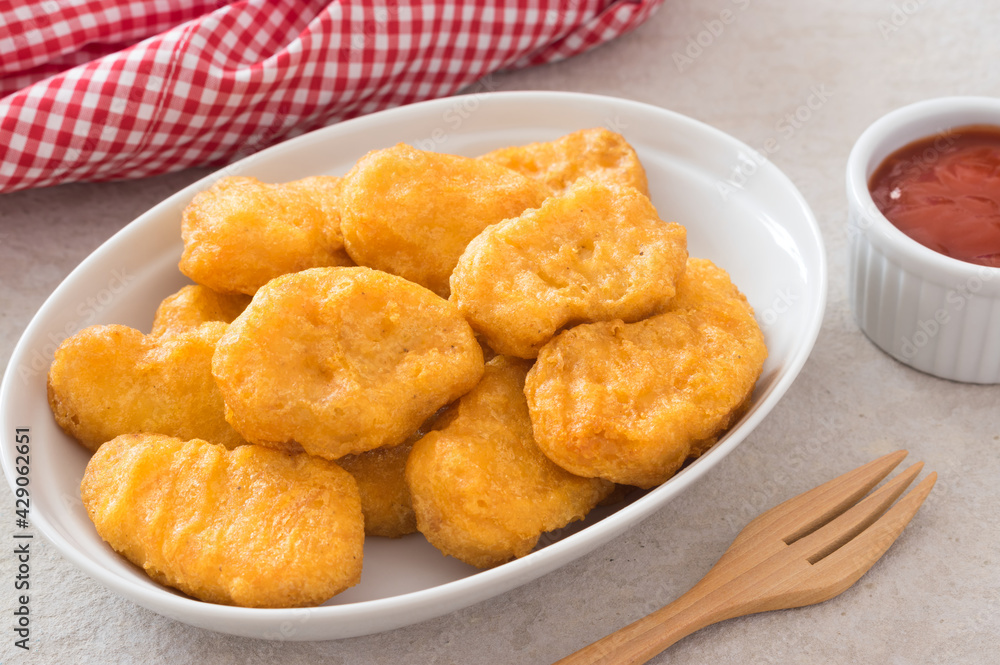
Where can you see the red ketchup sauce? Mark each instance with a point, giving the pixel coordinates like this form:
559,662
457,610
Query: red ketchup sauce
944,192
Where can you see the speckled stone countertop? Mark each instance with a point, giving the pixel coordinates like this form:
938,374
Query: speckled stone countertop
810,76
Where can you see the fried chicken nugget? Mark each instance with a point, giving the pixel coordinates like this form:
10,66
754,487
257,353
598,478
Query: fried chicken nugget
108,380
596,153
385,498
241,232
381,478
343,360
194,305
631,401
596,253
411,213
250,527
482,490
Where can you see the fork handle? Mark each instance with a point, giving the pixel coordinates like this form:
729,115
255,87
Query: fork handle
641,640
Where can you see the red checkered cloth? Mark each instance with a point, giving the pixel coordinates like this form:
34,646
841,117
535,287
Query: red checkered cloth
107,89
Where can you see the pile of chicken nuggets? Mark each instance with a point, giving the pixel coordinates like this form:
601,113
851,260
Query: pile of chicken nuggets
481,350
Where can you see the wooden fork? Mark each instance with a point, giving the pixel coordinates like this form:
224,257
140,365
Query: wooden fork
803,551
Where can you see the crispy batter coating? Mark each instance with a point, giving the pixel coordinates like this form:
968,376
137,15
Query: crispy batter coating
631,401
411,212
596,153
385,498
596,253
343,360
381,478
194,305
241,232
482,490
251,526
108,380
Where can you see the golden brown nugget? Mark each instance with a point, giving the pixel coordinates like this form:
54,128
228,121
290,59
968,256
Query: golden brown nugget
598,154
194,305
411,213
381,478
631,401
482,490
385,498
250,527
343,360
241,232
598,252
108,380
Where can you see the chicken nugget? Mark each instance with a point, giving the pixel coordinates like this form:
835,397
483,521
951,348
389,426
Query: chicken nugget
411,213
381,478
482,490
250,527
631,401
596,253
598,154
385,498
343,360
194,305
241,232
108,380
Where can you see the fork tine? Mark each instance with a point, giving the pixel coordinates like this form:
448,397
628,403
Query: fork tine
845,566
837,495
856,519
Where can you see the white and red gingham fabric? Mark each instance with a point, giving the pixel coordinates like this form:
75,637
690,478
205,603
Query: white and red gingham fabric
107,89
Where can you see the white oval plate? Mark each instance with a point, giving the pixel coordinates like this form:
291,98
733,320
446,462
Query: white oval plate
740,211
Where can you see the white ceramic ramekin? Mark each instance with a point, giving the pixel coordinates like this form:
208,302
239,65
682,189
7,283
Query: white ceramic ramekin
935,313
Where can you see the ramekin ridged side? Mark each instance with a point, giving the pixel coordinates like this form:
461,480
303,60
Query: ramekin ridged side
945,329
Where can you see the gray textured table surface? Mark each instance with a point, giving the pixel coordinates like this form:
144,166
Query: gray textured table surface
934,599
